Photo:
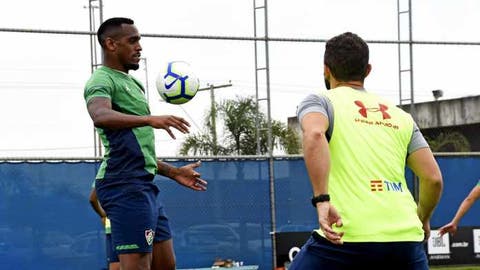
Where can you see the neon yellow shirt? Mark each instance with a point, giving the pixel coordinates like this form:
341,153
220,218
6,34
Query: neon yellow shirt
367,183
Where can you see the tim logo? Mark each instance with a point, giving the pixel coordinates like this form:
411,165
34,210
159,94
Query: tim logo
376,185
385,185
381,108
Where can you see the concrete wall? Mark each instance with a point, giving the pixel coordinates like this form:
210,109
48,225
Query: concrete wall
447,113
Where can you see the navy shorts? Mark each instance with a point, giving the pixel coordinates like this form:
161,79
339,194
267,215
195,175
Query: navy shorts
136,214
112,256
318,253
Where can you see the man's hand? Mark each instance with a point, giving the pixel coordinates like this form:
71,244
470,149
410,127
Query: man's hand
426,230
188,177
327,216
448,228
167,121
104,220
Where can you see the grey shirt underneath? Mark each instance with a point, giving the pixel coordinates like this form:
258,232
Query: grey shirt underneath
321,104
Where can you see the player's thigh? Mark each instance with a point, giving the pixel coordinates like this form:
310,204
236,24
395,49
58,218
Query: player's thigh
409,256
315,255
163,255
135,261
162,229
133,214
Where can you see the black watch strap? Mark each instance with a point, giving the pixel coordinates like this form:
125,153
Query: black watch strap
320,198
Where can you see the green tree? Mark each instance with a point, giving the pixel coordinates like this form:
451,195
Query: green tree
239,119
449,141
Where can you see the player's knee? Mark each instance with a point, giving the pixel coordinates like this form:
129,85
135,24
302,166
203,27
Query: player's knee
114,266
170,266
165,265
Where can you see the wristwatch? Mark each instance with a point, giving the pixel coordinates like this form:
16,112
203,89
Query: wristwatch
320,198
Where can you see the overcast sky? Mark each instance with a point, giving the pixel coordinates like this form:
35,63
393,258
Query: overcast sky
42,75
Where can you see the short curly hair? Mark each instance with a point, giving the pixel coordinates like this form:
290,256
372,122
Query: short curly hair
346,56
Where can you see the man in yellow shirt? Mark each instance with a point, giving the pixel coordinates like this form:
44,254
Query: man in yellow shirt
356,146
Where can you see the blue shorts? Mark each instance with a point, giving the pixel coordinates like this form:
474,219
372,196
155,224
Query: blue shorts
136,214
112,256
318,253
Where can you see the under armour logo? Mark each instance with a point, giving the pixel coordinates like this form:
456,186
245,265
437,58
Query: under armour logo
381,108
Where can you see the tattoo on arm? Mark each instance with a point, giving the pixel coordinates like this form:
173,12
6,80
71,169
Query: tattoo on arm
165,169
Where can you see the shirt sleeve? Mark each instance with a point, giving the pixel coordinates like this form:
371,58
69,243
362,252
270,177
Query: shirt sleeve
320,104
99,87
417,140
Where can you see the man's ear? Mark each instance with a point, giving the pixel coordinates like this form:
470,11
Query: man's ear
369,68
326,72
110,44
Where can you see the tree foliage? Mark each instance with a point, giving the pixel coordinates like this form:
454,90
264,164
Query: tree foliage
449,142
239,119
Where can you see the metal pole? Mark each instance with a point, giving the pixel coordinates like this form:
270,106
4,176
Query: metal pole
416,184
257,121
145,68
92,67
399,55
213,108
410,45
93,28
100,8
270,144
97,144
100,12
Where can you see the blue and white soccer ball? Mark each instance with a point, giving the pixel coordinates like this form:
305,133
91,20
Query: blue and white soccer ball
177,83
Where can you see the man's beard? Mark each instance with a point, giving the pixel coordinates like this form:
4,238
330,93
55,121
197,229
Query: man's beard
131,66
327,84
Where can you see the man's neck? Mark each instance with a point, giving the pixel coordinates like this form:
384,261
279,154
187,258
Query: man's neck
352,84
114,65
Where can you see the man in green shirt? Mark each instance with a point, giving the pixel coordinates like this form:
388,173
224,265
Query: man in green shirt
124,182
356,145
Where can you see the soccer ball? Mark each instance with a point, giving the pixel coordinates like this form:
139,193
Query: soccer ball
177,83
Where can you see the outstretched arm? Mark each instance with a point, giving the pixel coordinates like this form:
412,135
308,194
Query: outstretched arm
472,197
423,164
102,114
185,175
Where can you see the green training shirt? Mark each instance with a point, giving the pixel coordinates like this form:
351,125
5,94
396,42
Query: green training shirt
129,152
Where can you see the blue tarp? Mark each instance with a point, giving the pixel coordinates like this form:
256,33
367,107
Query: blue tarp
47,223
